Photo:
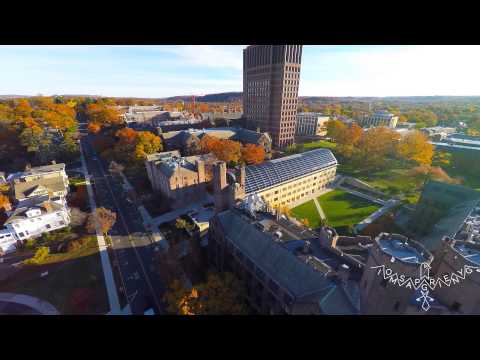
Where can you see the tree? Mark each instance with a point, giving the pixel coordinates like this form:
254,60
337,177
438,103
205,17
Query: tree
147,143
305,222
183,224
5,204
414,146
221,294
347,137
253,154
335,128
94,128
375,145
77,216
103,115
105,217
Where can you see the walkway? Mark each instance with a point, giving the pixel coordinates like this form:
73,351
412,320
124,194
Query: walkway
102,246
42,307
364,196
319,209
377,214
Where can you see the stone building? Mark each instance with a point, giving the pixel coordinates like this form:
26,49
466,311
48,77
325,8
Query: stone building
188,140
380,118
455,256
181,179
271,74
290,180
283,267
398,254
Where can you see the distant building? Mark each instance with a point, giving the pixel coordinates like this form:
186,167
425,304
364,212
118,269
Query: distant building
180,179
284,267
438,133
190,139
309,123
212,116
49,182
380,118
271,74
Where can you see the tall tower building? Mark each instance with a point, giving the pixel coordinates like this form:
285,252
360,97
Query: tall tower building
271,74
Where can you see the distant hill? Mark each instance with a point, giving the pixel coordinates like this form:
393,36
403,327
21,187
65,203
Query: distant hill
221,97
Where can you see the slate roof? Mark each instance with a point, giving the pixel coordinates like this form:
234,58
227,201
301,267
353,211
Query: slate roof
273,172
281,265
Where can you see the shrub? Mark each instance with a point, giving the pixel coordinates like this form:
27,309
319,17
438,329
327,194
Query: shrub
40,255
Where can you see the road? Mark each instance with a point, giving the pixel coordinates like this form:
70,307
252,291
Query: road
132,247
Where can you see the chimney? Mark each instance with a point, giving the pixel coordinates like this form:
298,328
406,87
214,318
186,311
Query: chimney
220,186
201,171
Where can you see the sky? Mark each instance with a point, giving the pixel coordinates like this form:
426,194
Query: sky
169,70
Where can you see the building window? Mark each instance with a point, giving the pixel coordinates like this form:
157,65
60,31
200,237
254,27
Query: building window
21,234
48,226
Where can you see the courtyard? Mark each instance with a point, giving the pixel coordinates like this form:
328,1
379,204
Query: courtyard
342,209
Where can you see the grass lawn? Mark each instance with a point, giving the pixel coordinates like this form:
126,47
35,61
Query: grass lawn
344,209
393,181
74,285
308,211
319,144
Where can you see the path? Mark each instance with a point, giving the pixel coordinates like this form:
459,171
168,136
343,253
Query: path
374,216
319,209
102,246
42,307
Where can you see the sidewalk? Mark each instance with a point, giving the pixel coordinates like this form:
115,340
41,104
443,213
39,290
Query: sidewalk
41,306
319,209
102,246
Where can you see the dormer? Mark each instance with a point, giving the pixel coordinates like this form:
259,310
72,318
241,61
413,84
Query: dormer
33,212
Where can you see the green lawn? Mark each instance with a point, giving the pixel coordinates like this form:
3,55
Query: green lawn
344,209
319,144
77,274
308,211
393,181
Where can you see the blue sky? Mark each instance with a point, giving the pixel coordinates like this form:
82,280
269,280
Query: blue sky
162,71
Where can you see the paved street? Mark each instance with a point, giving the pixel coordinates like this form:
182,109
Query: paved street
132,247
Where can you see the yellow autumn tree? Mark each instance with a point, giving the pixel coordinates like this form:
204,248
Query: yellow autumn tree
414,146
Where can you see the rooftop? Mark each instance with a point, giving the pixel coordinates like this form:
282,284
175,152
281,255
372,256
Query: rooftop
290,255
273,172
470,252
39,170
403,249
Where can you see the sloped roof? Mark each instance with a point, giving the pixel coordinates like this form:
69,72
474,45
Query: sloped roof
23,189
273,172
45,207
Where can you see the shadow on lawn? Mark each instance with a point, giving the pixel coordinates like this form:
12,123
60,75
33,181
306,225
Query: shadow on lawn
72,285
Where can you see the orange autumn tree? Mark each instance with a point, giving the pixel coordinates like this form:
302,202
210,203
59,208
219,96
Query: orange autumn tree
347,138
94,128
253,154
103,115
221,294
105,217
4,203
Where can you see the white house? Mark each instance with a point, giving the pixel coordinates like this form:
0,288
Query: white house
27,222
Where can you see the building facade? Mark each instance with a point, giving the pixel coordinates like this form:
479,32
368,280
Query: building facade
39,199
380,118
50,182
400,255
188,140
283,270
271,75
311,124
180,179
293,179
